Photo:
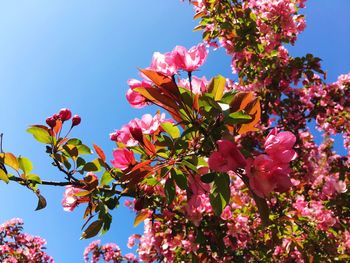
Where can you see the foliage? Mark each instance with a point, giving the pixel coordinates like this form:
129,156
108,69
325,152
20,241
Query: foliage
235,174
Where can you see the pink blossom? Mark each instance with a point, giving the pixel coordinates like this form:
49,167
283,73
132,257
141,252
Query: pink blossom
134,98
130,257
226,158
70,201
279,146
123,159
199,85
188,60
266,175
163,63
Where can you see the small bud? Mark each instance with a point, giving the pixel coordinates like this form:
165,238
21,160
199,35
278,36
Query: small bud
51,121
56,116
76,120
65,114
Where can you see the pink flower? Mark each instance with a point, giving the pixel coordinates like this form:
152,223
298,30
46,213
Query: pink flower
279,146
163,63
123,159
188,60
70,201
135,99
226,158
266,175
199,85
130,257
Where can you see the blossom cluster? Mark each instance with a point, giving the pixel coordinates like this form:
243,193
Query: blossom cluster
16,247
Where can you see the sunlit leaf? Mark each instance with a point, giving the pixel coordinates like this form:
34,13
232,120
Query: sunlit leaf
83,149
10,160
25,164
217,87
140,217
171,129
34,178
40,133
106,178
3,176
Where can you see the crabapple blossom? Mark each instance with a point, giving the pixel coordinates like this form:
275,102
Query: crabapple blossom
226,158
123,159
188,60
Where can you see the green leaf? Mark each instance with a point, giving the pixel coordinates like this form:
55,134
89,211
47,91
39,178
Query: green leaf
93,166
74,141
71,150
40,133
80,162
83,149
106,178
25,164
217,87
170,190
220,193
208,178
41,202
180,178
151,181
34,178
92,230
237,117
189,165
171,129
107,220
3,176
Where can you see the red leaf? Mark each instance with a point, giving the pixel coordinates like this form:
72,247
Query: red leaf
100,152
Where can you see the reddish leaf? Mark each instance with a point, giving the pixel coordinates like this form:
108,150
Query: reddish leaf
100,152
57,127
149,146
165,83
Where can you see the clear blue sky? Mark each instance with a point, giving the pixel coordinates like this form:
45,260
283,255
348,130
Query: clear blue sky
79,54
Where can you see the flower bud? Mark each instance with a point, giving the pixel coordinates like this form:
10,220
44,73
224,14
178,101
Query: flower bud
76,120
65,114
56,116
51,121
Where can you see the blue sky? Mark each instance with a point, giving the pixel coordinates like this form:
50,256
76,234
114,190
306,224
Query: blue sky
79,54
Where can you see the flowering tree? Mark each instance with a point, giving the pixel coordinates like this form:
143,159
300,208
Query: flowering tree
233,173
16,246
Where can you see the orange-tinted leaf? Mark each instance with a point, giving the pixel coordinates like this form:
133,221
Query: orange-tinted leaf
141,165
100,152
254,110
165,83
240,101
140,217
149,146
246,102
196,102
58,126
10,160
